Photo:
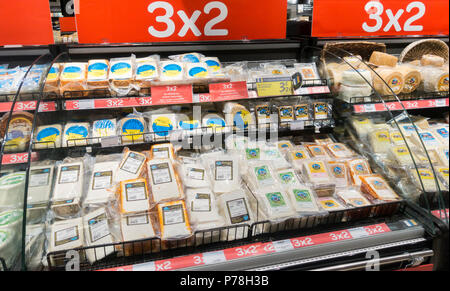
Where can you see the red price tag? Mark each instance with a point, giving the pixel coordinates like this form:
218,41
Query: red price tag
19,158
371,18
165,95
110,21
244,251
376,229
228,91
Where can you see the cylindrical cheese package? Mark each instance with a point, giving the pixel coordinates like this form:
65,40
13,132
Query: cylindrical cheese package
411,76
173,220
434,79
383,59
12,188
75,134
163,180
393,78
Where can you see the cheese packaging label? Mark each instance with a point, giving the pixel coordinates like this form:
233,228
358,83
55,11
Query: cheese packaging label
132,129
301,112
276,200
317,151
69,174
242,119
72,72
224,170
76,132
338,171
136,191
238,211
262,173
162,125
53,73
213,64
299,155
443,83
252,154
444,172
197,71
104,127
133,163
161,153
317,170
302,196
66,235
330,204
201,203
39,177
189,124
286,113
102,180
382,136
287,177
443,132
171,70
98,227
397,138
401,151
320,110
145,69
263,112
426,174
161,173
97,70
121,70
196,173
173,214
137,219
190,58
48,134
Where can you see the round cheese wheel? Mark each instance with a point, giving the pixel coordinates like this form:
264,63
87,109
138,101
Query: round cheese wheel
393,78
434,79
411,76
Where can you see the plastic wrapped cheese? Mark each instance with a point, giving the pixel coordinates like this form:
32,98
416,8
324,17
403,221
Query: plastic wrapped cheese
442,134
317,151
48,136
134,196
401,156
411,76
121,71
358,77
351,94
352,197
11,219
66,235
131,166
317,172
173,220
19,131
392,77
434,79
271,153
284,145
357,168
287,178
432,60
163,181
103,128
396,137
330,204
285,114
202,208
97,232
171,71
131,129
380,141
52,81
194,175
302,199
147,71
73,77
296,157
274,203
12,188
443,175
428,180
383,59
213,63
101,182
260,174
161,125
97,74
354,61
213,121
162,151
39,191
301,111
75,134
237,115
442,155
236,209
187,57
428,139
377,188
224,171
8,246
138,227
196,70
321,110
362,125
68,188
340,150
340,173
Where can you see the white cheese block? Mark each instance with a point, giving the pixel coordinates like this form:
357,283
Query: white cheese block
362,125
68,188
260,174
317,172
432,60
39,191
202,208
134,196
131,166
441,132
356,77
131,129
101,182
380,141
12,187
97,74
138,227
287,178
302,199
65,235
428,138
75,134
97,232
352,197
162,180
171,71
442,155
428,180
194,175
225,174
103,128
401,156
273,154
146,69
339,150
396,137
352,94
434,79
297,156
48,136
318,151
173,220
274,203
121,69
443,175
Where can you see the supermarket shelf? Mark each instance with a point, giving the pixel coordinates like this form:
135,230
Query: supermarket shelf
294,251
396,106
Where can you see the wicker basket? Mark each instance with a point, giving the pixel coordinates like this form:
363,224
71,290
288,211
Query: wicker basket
415,51
362,48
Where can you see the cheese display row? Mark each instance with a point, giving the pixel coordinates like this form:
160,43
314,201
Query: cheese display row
388,77
416,155
11,78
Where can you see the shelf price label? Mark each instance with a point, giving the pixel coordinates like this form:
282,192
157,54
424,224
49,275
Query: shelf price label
177,94
228,91
373,18
179,20
277,86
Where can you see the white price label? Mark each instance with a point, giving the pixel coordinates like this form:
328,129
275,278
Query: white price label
150,266
214,257
440,102
358,232
85,104
369,108
282,245
297,125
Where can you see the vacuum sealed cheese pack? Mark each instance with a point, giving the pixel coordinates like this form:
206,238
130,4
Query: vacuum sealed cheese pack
12,186
297,155
171,71
441,132
103,128
138,227
173,220
330,204
352,198
213,63
380,141
131,129
147,71
68,189
362,125
287,178
75,134
427,178
194,175
162,151
340,173
97,232
260,174
317,151
161,125
274,203
66,235
131,166
303,199
202,208
97,74
442,156
102,181
340,150
163,180
428,138
73,77
396,137
270,152
224,172
317,172
52,81
48,136
196,70
187,57
377,188
18,136
401,156
39,190
357,168
134,196
121,72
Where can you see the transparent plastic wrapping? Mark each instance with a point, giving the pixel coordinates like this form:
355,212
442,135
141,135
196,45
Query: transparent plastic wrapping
138,227
73,77
162,151
296,156
260,174
223,169
53,77
48,136
194,175
236,71
97,74
40,186
352,198
304,200
202,208
287,178
163,180
103,128
274,204
317,173
238,116
187,57
174,221
377,188
76,134
17,133
121,74
131,165
134,196
147,71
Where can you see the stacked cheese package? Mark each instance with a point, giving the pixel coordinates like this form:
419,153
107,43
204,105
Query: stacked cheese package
414,155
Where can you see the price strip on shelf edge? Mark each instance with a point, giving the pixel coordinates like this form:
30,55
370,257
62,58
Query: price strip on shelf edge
228,91
371,18
18,158
411,104
178,20
28,105
276,86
